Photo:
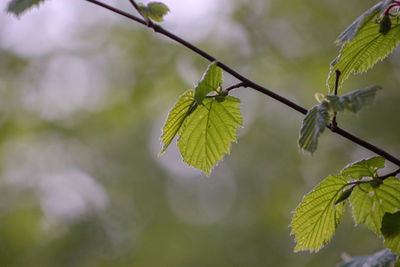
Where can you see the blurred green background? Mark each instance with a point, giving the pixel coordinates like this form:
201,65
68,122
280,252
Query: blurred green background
84,94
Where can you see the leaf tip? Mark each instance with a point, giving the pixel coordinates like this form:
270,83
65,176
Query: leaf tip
19,7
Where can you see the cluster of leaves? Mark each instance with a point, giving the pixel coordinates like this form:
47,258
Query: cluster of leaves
206,121
367,40
320,116
375,203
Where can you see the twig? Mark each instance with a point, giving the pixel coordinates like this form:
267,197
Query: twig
358,182
392,174
337,72
379,179
230,88
135,6
394,5
148,21
365,144
157,28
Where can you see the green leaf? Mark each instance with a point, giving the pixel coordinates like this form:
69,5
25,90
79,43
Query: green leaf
154,10
363,48
364,168
316,218
210,81
176,117
313,125
391,231
17,7
354,100
371,202
383,258
209,131
369,16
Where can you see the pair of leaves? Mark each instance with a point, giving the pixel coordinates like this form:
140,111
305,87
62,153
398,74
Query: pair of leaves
206,126
364,43
374,204
318,117
17,7
382,258
153,10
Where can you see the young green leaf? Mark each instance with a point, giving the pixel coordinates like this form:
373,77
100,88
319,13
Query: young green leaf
371,202
154,10
382,258
209,131
369,16
316,218
17,7
313,125
211,81
364,46
354,100
176,117
364,168
391,231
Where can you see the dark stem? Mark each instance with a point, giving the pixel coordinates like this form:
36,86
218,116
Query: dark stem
118,11
337,72
157,28
135,6
365,144
230,88
355,183
149,23
395,4
380,178
392,174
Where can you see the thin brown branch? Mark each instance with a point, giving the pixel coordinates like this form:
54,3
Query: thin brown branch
379,179
157,28
148,22
135,6
337,72
392,174
230,88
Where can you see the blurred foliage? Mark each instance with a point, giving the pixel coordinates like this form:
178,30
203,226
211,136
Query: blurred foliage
81,184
